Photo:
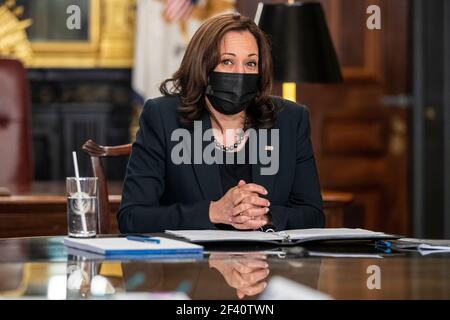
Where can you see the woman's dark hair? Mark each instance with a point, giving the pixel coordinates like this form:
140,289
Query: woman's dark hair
201,58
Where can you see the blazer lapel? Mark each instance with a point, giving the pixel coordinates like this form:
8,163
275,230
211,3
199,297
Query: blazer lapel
266,181
208,176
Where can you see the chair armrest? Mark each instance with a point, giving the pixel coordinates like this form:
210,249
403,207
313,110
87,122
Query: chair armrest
96,150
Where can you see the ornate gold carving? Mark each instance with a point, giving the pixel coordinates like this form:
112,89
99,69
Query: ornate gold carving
117,36
13,38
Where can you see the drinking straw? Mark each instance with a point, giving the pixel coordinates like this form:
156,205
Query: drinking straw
78,198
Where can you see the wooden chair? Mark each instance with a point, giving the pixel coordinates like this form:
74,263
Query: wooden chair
16,161
96,152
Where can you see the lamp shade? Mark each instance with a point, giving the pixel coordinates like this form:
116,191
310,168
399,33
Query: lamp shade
302,50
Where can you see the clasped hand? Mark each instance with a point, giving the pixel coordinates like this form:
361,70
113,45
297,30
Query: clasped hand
247,274
242,207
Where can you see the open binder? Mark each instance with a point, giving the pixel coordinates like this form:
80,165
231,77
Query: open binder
287,237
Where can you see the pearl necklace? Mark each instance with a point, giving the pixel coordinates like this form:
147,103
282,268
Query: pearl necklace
240,136
234,146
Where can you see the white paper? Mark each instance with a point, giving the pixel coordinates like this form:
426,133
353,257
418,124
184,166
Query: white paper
298,234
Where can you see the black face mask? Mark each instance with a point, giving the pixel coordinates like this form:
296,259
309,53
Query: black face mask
230,93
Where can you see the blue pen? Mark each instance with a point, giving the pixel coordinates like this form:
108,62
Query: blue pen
385,250
383,243
143,239
384,246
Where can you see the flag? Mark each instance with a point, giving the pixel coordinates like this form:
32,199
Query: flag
160,44
176,10
163,31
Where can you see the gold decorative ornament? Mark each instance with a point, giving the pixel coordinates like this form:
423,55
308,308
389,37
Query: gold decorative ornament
13,38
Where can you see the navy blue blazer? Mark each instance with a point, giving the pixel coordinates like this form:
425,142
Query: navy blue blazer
159,195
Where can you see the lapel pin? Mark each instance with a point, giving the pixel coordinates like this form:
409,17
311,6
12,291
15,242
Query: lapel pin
268,148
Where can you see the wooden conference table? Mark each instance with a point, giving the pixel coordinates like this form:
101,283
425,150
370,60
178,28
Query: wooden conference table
42,268
42,210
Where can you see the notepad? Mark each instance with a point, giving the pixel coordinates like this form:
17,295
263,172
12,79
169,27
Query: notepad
120,247
283,237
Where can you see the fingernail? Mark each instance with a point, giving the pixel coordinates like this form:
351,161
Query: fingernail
265,191
268,203
266,265
265,284
267,209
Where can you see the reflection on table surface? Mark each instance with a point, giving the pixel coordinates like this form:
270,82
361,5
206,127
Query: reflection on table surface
41,268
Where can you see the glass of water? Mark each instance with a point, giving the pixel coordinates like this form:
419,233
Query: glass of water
82,206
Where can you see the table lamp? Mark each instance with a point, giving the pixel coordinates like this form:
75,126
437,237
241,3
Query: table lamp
302,50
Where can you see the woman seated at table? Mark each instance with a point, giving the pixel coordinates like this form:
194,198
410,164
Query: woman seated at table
216,151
